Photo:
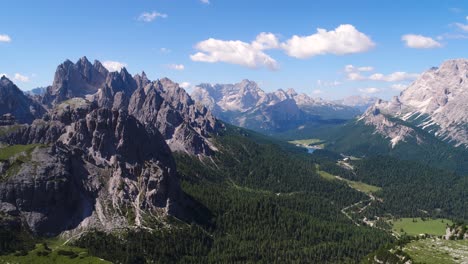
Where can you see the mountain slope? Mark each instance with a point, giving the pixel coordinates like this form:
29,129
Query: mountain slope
14,102
435,102
427,122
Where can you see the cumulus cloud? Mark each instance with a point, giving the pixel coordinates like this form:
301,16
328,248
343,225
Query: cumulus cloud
5,38
370,90
420,42
355,74
185,85
150,16
21,78
164,50
266,41
113,65
178,67
317,92
3,74
393,77
345,39
328,83
205,1
399,86
238,52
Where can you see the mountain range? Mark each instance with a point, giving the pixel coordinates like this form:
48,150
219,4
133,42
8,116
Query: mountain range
95,150
245,104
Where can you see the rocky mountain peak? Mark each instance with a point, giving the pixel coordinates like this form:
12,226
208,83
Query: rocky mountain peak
291,92
13,101
436,102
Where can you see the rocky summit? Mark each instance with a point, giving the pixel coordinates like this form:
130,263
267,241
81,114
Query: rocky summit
159,104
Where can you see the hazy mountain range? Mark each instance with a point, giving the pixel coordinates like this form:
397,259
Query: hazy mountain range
245,104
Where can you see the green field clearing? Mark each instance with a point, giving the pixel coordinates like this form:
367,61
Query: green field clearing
360,186
10,151
438,251
308,142
55,252
429,226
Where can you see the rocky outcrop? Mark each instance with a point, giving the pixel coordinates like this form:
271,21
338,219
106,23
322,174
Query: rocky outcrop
75,80
96,168
15,103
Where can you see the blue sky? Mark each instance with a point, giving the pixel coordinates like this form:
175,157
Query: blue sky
387,43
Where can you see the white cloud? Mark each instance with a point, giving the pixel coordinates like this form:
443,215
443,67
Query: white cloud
352,68
150,16
164,50
328,83
345,39
178,67
185,85
205,1
399,86
113,65
365,69
238,52
355,74
317,92
3,74
265,41
5,38
21,78
461,26
370,90
393,77
420,42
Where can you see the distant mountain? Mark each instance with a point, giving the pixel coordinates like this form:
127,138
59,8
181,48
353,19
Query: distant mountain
39,91
428,122
246,104
437,102
14,102
361,102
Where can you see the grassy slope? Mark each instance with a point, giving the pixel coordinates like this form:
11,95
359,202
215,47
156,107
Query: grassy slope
429,226
53,253
10,151
359,186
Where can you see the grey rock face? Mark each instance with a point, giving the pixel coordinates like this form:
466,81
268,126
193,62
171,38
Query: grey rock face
75,80
100,168
160,105
14,102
